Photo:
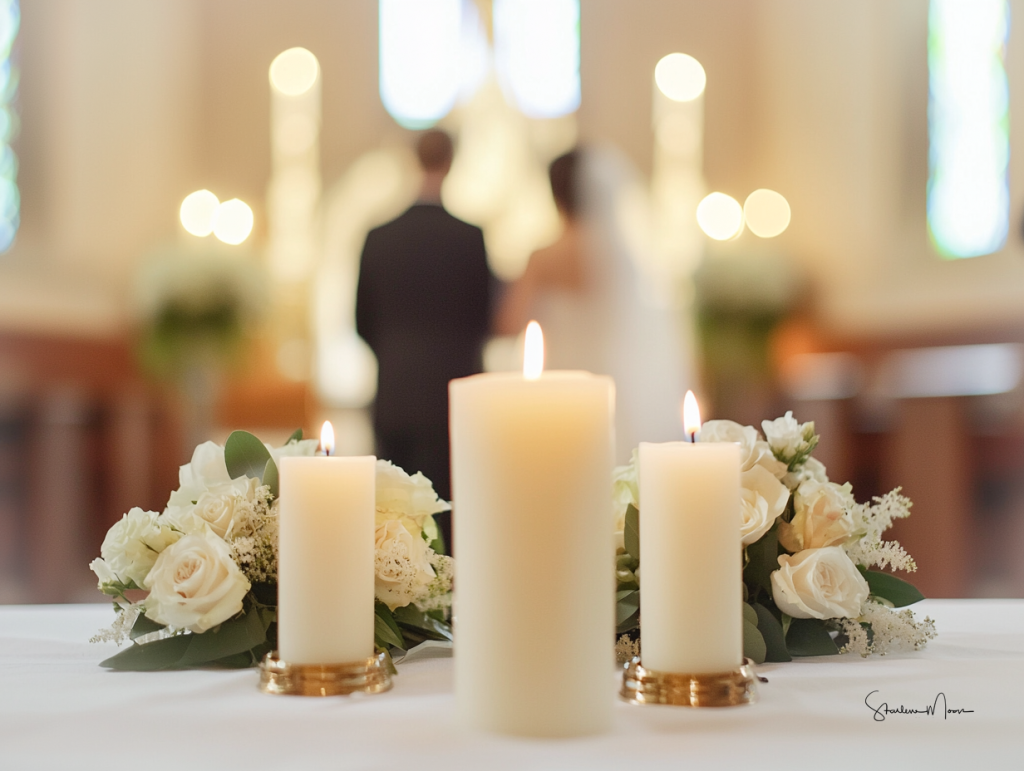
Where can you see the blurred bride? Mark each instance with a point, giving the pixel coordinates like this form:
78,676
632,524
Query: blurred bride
586,293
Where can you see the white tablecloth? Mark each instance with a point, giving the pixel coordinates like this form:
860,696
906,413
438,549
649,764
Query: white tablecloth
60,710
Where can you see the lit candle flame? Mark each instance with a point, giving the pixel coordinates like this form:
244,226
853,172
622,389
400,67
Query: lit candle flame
691,416
533,353
327,438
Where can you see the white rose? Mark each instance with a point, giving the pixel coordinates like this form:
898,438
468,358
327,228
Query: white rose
206,469
754,451
819,583
625,491
402,564
214,508
821,517
811,470
132,545
787,438
301,447
195,584
410,499
762,499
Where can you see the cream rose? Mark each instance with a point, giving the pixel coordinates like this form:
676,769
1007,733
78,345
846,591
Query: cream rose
214,508
195,584
821,517
762,499
207,469
754,451
409,499
402,564
131,547
819,583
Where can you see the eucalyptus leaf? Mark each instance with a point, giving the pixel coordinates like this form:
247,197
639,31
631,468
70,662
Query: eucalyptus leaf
771,631
749,614
627,604
271,479
245,456
753,643
295,437
385,629
631,623
763,560
144,625
224,643
411,616
631,533
809,637
887,586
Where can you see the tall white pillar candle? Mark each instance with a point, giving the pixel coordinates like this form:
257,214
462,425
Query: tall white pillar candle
325,560
690,557
534,593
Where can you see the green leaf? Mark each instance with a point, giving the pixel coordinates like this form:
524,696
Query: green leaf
887,586
763,560
627,604
245,456
385,630
295,437
771,631
631,533
809,637
749,614
753,643
631,623
271,479
236,636
431,628
144,625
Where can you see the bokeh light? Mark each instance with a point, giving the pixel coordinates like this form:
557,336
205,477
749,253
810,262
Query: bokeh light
680,77
233,221
720,216
766,213
293,72
197,212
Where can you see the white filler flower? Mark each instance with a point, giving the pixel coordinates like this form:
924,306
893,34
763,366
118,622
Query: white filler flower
195,584
131,547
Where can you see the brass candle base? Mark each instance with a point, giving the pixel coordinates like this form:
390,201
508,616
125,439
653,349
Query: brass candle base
721,689
366,676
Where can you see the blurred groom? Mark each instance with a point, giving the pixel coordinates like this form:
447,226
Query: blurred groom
423,305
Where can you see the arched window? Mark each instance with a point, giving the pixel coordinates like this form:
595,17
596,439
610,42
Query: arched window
420,50
968,126
537,55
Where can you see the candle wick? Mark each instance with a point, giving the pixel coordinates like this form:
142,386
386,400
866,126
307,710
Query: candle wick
693,437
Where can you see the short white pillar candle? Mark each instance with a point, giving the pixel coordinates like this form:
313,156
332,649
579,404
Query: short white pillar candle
325,560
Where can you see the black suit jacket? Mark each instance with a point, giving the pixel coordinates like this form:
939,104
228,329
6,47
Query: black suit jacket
423,305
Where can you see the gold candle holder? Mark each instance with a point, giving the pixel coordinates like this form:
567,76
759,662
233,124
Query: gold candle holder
367,676
720,689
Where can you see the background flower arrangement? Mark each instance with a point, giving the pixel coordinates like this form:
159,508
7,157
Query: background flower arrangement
208,562
808,552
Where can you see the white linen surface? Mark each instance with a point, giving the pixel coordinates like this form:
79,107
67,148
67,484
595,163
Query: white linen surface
60,710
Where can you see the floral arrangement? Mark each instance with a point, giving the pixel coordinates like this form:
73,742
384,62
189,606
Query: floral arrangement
206,567
808,546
